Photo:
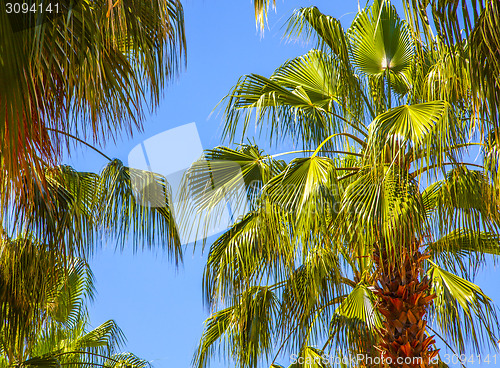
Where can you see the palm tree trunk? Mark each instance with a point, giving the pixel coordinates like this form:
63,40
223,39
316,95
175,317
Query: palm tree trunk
403,298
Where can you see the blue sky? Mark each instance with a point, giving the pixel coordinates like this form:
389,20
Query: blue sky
160,307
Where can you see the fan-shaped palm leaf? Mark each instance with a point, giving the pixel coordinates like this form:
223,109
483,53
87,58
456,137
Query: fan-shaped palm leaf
380,40
300,100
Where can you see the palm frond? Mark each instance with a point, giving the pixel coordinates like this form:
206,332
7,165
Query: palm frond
137,204
476,24
327,30
299,101
90,72
463,200
261,8
464,250
462,311
255,247
309,298
246,328
380,40
355,321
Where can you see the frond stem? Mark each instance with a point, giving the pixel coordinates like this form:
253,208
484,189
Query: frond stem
427,168
80,141
348,282
309,151
347,176
349,122
87,353
353,137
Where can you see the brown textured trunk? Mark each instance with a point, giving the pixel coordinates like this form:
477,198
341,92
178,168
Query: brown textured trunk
403,294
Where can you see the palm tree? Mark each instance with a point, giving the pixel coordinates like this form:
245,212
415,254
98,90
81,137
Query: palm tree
88,72
368,244
53,309
475,23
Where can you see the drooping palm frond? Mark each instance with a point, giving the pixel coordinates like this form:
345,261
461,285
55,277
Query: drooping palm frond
136,205
69,218
78,347
447,78
246,328
462,306
308,299
465,251
261,8
253,248
77,210
463,200
332,40
25,285
356,320
223,179
327,30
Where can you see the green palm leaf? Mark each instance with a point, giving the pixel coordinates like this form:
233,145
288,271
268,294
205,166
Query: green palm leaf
301,181
332,39
464,249
461,310
298,101
356,319
328,31
418,134
224,174
130,210
309,297
467,198
255,242
359,305
246,327
380,40
413,123
74,209
476,23
307,190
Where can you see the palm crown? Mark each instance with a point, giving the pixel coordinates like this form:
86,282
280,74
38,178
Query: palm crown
371,239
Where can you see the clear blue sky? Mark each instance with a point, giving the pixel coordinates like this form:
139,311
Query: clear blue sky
158,306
